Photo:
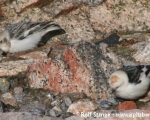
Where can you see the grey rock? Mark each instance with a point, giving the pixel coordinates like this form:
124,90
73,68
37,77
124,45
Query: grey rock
56,102
66,115
67,101
55,112
24,116
18,90
38,111
19,97
8,98
64,107
32,106
4,85
107,104
50,96
18,93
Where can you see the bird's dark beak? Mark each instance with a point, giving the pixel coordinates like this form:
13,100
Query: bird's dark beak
4,54
113,91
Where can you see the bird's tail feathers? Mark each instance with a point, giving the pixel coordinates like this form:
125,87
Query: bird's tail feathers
145,68
29,28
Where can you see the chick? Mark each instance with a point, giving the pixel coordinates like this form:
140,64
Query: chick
26,35
130,82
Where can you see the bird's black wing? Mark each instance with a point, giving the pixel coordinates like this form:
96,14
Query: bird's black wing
133,73
16,29
148,70
25,28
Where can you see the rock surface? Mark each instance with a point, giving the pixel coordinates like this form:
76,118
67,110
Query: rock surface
133,114
24,116
142,55
82,106
66,65
9,99
88,19
82,67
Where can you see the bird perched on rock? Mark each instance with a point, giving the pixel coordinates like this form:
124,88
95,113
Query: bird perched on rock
26,35
130,82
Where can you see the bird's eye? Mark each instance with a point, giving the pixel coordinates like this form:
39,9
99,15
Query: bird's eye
117,87
1,41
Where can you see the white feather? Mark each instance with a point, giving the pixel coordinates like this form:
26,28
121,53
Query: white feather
126,90
29,42
133,91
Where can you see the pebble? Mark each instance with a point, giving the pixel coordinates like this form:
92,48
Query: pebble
64,107
66,115
19,97
56,102
50,96
4,85
67,101
55,111
18,93
32,106
38,111
8,98
106,104
127,105
18,90
83,105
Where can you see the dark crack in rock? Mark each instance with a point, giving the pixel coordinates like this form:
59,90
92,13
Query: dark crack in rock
3,107
113,39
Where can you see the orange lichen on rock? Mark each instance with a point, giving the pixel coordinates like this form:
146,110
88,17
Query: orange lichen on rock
127,105
73,71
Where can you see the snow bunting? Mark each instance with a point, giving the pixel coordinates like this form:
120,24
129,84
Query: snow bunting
26,35
130,82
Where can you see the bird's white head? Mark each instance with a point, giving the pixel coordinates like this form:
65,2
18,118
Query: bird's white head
5,41
118,80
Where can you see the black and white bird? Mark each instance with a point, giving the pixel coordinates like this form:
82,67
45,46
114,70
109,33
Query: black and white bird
26,35
130,82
